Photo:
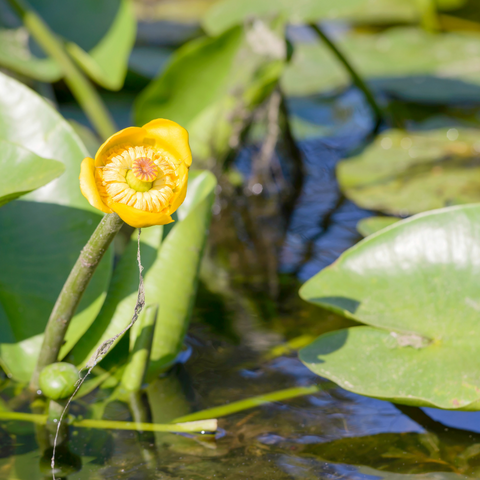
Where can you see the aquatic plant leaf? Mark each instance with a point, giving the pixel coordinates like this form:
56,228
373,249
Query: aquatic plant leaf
407,62
415,286
402,173
23,171
15,55
107,62
42,234
228,13
232,73
170,275
405,454
367,226
103,53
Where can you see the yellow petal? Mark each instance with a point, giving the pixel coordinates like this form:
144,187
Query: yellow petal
139,218
89,187
130,135
171,136
179,198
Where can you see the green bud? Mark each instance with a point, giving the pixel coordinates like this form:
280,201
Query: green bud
58,380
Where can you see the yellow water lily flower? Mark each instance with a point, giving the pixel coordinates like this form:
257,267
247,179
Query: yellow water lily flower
139,173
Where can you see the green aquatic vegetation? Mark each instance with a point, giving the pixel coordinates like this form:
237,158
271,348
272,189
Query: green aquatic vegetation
370,225
234,73
414,285
402,173
228,13
439,64
47,228
102,54
23,171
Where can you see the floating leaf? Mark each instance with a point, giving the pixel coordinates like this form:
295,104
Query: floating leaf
387,59
23,171
415,284
171,274
232,75
370,225
409,172
42,234
228,13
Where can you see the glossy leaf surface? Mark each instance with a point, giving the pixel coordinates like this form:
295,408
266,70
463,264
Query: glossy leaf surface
403,173
42,234
415,286
23,171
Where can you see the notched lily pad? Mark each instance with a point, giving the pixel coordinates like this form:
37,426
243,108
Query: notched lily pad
415,286
403,173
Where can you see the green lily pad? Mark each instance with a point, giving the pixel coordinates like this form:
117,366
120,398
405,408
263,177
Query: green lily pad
228,13
402,173
387,59
415,286
42,234
23,171
370,225
212,85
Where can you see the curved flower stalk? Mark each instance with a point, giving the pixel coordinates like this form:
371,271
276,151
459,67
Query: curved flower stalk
139,176
140,173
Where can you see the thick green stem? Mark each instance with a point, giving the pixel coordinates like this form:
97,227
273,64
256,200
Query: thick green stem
356,78
82,89
72,291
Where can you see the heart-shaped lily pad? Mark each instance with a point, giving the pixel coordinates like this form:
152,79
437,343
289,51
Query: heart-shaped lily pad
416,285
403,173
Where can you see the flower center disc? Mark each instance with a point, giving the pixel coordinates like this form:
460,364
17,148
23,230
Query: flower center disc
144,169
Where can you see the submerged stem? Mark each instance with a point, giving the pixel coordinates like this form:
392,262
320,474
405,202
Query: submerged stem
209,425
356,78
72,291
82,89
